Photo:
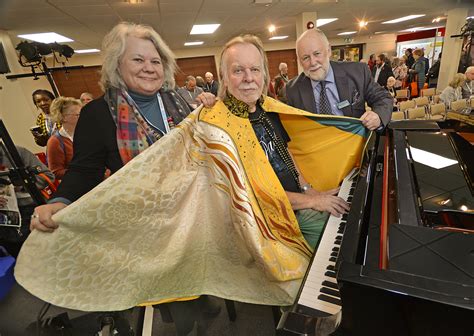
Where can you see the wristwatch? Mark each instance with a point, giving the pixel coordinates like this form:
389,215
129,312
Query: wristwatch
306,187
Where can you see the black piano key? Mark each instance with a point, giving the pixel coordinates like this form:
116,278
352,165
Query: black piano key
335,249
339,237
330,284
331,268
333,259
330,274
330,292
340,230
349,199
351,191
344,217
334,254
329,299
337,242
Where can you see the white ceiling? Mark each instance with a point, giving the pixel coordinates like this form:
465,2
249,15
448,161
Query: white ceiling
87,21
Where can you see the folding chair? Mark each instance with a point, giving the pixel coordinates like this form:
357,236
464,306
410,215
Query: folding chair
438,111
416,113
428,92
405,105
401,95
398,115
458,105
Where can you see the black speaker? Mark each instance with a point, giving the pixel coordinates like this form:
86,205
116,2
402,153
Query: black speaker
3,61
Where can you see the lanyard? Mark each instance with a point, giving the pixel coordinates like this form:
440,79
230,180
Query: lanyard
163,113
469,87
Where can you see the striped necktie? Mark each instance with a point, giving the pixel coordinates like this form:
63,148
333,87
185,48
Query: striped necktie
324,106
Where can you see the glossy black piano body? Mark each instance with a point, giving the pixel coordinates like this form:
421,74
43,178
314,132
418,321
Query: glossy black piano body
418,280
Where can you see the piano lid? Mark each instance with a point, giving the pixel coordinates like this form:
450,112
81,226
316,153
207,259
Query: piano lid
442,171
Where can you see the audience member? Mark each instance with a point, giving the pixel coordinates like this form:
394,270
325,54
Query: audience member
410,59
10,237
45,126
382,70
190,91
200,82
137,109
86,97
280,82
468,87
211,85
371,62
417,71
425,60
400,72
64,111
346,86
433,73
391,82
453,91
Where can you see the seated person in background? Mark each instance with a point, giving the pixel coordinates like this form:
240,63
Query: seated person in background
391,81
190,91
200,82
468,87
86,97
453,91
211,85
12,238
64,111
42,100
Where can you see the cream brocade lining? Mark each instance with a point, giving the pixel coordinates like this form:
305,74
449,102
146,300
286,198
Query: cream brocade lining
178,220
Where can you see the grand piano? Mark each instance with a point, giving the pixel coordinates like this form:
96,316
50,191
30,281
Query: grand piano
402,261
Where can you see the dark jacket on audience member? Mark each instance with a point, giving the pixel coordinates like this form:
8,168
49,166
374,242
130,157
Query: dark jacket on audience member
385,72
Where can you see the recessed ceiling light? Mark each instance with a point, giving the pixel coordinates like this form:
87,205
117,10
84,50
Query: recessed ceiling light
405,18
413,29
347,33
271,28
187,44
134,1
322,22
86,51
282,37
362,23
204,29
46,37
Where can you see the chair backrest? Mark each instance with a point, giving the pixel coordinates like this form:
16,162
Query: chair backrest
416,113
398,115
402,94
422,101
439,108
472,102
436,99
458,104
405,105
428,92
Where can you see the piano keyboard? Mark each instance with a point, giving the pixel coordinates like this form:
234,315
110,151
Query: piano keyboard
320,291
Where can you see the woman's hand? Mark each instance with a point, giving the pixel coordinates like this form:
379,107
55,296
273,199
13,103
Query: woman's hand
41,218
207,99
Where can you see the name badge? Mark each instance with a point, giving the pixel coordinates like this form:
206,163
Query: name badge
343,104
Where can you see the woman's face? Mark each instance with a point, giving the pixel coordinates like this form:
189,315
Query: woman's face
71,115
140,66
43,102
416,57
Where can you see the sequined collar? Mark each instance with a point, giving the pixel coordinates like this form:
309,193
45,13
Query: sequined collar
237,107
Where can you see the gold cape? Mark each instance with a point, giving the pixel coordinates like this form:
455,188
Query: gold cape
199,212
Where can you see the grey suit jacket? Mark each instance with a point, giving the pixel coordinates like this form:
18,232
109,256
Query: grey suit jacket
354,84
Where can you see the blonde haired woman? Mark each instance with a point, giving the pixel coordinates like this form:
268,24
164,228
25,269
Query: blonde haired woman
64,111
453,91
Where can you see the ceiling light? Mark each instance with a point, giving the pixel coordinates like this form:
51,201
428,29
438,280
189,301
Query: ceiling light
430,159
362,23
271,28
322,22
87,51
413,29
347,33
204,29
134,1
282,37
187,44
463,208
438,19
46,37
405,18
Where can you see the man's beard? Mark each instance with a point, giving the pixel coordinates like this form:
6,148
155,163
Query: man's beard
318,75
